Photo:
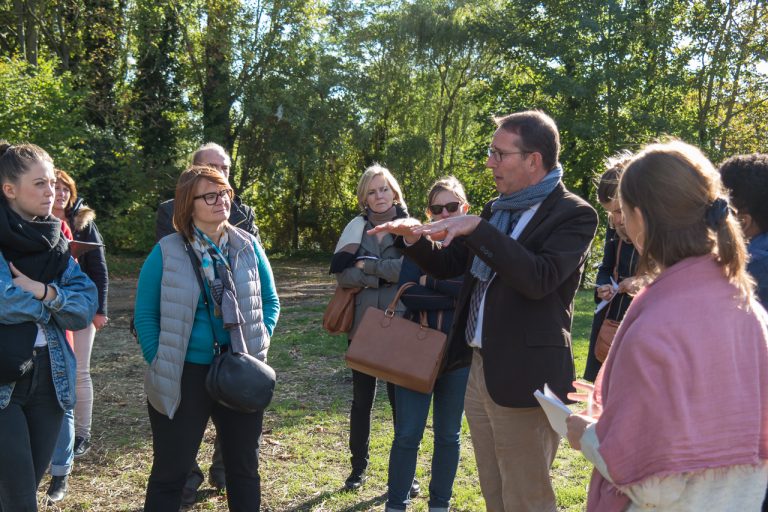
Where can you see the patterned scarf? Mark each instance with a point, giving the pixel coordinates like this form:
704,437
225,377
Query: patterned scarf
210,253
215,264
507,210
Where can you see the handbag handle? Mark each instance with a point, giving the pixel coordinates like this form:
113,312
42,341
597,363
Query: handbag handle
390,311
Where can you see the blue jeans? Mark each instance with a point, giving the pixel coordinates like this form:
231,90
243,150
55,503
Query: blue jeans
64,454
412,412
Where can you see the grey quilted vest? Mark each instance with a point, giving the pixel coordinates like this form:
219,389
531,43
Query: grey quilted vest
179,296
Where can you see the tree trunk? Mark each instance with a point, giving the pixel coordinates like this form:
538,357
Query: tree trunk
30,32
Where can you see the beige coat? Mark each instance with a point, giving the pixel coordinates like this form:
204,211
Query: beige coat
379,277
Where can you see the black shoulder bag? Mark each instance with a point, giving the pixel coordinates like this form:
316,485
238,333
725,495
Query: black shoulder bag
236,379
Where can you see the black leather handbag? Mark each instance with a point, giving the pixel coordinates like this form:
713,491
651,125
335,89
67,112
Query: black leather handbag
236,379
239,381
17,341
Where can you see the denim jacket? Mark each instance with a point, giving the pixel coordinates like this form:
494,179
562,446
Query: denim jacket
72,309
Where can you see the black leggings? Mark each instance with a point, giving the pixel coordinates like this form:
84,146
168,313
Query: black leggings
176,441
363,394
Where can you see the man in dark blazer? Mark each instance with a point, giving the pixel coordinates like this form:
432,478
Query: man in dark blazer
240,215
522,260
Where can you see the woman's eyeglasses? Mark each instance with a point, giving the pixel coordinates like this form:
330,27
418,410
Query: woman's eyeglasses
437,209
211,198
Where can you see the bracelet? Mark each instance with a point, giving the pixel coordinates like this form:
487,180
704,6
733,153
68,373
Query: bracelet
45,293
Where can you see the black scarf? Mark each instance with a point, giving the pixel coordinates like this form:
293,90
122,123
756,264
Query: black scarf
37,248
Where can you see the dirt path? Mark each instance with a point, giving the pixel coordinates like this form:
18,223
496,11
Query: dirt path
298,282
113,475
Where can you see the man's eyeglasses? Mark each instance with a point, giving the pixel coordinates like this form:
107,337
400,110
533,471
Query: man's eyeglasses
499,155
211,198
437,209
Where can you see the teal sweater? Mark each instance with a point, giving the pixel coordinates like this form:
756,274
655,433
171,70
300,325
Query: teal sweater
200,349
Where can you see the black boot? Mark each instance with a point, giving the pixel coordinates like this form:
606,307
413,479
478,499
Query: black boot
189,491
58,488
355,480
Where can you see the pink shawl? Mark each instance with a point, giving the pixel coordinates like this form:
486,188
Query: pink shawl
685,385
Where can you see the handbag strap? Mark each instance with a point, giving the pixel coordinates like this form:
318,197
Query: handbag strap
196,267
615,276
616,264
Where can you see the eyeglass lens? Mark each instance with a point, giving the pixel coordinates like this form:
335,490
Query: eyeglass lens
211,197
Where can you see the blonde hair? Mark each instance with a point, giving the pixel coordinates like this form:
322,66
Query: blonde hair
675,187
365,180
448,184
608,185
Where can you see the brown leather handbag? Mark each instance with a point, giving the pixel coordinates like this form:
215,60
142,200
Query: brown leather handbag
605,338
397,350
340,313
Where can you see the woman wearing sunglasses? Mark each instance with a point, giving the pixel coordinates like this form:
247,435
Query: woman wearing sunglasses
177,323
436,298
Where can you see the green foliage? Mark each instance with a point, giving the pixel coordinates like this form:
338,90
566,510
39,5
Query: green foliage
41,106
306,94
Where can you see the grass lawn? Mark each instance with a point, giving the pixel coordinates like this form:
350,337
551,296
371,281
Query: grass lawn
304,457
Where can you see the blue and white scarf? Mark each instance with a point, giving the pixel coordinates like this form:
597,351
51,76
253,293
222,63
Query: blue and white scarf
215,264
211,253
508,209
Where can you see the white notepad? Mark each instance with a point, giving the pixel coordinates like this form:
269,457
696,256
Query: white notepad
557,412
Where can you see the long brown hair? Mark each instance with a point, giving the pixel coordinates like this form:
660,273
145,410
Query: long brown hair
676,188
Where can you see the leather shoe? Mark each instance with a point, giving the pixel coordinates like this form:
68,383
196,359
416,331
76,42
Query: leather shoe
355,480
217,479
188,497
189,491
58,488
415,488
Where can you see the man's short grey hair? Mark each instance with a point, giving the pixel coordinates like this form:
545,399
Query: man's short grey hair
196,160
